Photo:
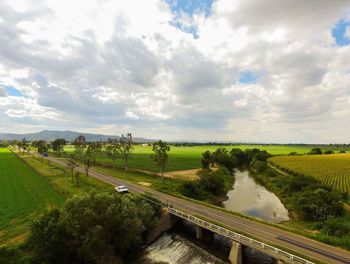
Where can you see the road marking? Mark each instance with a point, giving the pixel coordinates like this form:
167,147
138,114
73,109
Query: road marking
327,254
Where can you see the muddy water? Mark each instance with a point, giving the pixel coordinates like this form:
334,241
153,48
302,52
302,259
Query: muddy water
249,197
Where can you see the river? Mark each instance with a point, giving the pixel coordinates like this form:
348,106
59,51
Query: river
250,198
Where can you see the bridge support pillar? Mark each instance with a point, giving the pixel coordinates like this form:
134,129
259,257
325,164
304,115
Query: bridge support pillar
235,256
279,261
199,232
204,234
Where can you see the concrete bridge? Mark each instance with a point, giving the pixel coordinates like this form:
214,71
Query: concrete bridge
205,231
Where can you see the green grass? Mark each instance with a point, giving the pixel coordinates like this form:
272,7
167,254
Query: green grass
55,175
332,170
170,186
184,158
23,195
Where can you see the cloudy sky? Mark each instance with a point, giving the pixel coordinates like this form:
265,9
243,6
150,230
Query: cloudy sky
237,70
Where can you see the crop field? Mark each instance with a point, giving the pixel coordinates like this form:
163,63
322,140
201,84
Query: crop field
332,170
23,195
186,157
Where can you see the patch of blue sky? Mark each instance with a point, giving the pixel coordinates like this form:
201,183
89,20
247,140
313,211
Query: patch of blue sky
191,7
339,33
248,77
188,29
11,91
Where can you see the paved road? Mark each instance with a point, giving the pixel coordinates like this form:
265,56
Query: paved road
266,233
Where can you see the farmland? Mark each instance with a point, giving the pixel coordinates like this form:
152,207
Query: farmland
332,170
187,157
23,195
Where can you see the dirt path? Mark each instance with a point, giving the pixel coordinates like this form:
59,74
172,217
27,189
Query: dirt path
190,175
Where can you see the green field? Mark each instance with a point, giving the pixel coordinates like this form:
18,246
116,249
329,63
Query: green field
184,158
332,170
23,195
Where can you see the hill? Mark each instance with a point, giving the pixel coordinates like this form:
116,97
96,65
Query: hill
67,135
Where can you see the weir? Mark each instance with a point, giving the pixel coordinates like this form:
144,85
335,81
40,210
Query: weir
205,230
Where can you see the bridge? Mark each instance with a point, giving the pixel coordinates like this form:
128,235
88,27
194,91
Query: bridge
285,246
238,240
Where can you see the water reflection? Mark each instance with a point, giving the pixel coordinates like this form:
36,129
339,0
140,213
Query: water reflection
250,198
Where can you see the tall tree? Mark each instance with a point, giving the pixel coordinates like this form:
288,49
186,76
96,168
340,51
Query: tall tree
24,145
58,145
206,159
88,159
71,165
41,146
80,146
160,155
95,148
126,147
113,151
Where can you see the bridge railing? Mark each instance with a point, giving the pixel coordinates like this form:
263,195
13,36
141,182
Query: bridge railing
247,241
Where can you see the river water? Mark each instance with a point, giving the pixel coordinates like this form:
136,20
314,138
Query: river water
179,246
250,198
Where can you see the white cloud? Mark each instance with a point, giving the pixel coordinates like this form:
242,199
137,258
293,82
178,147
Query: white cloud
121,65
347,32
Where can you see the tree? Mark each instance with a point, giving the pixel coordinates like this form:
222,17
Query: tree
95,148
49,239
41,146
58,145
329,151
24,144
206,158
71,165
319,205
113,151
89,155
160,149
126,147
315,151
80,146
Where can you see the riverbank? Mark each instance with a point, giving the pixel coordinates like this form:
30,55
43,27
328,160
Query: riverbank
329,224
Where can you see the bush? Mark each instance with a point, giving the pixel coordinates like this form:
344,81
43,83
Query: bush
329,151
259,166
315,151
319,205
212,182
194,190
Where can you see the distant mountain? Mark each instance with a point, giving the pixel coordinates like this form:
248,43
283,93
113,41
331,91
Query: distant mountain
67,135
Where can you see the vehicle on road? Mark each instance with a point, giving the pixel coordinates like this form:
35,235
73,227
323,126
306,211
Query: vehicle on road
121,189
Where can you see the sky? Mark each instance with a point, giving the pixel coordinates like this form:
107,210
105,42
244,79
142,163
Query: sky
227,70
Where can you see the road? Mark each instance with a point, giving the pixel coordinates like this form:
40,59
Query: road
266,233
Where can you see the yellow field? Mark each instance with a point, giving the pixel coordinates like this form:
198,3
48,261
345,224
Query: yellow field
332,170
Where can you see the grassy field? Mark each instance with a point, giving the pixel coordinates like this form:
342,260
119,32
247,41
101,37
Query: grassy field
333,170
23,195
184,158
